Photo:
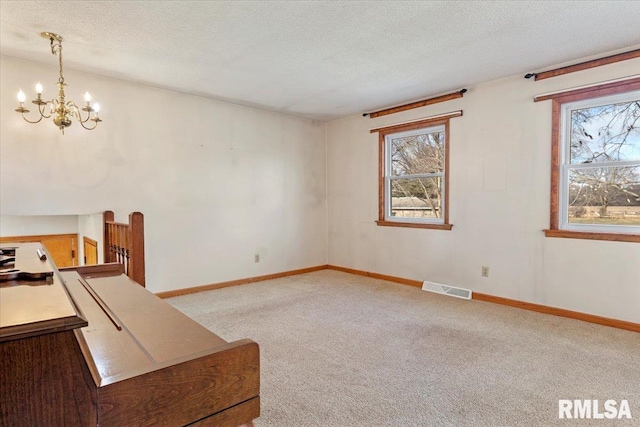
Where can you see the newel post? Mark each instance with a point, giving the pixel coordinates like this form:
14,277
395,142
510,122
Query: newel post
136,260
106,241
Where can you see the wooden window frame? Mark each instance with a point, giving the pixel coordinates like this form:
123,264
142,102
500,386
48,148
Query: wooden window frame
442,120
558,99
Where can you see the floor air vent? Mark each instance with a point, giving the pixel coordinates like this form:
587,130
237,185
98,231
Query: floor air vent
446,290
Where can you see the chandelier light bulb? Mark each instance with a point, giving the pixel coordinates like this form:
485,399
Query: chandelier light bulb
96,107
39,88
21,96
87,97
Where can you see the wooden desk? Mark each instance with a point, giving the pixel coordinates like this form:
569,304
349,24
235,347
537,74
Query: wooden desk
131,360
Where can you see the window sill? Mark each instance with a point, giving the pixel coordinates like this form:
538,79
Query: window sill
415,225
613,237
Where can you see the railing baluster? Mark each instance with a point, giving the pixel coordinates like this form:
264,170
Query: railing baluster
124,244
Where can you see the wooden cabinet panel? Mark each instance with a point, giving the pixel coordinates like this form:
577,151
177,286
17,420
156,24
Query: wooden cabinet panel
90,248
45,382
63,248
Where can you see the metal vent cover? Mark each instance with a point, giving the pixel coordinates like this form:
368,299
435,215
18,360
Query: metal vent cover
447,290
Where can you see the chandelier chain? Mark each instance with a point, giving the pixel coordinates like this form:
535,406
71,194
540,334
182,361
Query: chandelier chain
56,49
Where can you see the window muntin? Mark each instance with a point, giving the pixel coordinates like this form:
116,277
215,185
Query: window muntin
600,164
415,175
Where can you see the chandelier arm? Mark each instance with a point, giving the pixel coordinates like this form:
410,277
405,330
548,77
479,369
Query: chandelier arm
42,108
88,128
76,112
32,122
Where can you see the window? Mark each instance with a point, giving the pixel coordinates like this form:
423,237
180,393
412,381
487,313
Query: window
596,170
414,174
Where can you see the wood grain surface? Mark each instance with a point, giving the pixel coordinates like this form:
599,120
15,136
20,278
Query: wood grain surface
161,368
30,308
45,382
180,394
241,415
153,334
98,270
588,64
418,104
611,237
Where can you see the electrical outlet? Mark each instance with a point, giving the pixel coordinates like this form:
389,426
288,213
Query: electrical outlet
256,258
485,271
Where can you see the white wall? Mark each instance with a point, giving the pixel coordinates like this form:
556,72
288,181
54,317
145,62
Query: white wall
216,182
499,205
219,182
33,225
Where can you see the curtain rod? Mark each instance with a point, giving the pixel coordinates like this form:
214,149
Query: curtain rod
417,104
585,65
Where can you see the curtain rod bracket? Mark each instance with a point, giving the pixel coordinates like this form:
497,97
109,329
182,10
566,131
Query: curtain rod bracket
528,76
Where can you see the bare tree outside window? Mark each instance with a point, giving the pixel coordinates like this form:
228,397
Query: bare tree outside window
417,173
604,165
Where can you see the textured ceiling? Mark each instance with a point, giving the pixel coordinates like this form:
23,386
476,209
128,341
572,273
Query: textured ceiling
321,60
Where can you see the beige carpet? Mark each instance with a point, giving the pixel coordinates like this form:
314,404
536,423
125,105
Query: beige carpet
344,350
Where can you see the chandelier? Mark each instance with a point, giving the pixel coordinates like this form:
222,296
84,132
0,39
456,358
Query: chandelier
61,110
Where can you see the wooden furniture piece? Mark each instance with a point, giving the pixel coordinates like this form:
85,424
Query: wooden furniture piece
90,250
92,347
62,247
124,244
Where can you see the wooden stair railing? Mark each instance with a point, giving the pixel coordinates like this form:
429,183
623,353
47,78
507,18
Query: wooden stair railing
124,244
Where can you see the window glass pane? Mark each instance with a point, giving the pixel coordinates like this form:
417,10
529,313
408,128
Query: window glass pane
417,154
606,133
416,197
606,195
